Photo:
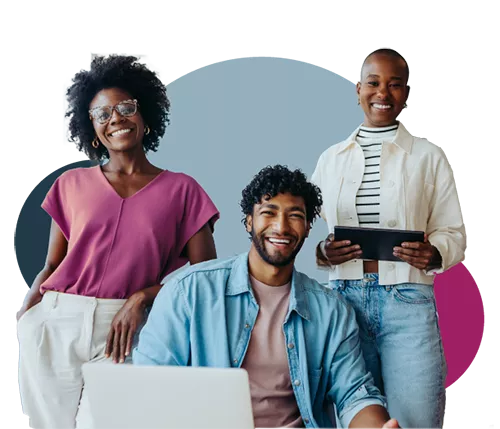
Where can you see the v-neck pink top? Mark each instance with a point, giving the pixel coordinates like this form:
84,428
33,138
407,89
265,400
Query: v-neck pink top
118,246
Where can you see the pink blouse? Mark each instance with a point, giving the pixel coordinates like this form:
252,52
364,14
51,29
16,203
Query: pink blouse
118,246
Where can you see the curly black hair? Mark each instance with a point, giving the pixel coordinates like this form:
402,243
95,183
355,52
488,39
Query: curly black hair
278,179
126,73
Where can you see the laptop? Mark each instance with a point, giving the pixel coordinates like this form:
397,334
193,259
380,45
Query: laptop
163,397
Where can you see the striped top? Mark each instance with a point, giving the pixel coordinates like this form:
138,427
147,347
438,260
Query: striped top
368,195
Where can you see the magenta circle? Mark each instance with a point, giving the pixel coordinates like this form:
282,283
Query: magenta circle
461,319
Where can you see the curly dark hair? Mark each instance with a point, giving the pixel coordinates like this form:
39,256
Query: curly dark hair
278,179
122,72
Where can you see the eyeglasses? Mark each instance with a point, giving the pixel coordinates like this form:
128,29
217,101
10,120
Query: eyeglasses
103,114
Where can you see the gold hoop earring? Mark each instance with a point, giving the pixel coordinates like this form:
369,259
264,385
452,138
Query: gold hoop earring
405,106
95,143
147,130
358,102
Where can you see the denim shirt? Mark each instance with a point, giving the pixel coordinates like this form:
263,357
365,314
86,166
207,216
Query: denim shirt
205,316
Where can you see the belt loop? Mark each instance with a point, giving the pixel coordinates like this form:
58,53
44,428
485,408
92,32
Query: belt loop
54,300
388,288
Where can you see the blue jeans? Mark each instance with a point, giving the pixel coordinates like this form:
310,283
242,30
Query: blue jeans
402,346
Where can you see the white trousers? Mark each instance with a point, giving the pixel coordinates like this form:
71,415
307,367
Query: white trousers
56,337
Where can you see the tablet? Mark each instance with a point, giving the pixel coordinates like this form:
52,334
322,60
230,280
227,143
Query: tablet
377,243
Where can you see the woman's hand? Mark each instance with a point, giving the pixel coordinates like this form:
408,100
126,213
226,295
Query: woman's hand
123,328
200,247
32,299
58,246
331,252
423,256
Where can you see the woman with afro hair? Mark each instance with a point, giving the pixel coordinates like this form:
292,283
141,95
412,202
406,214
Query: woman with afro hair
117,230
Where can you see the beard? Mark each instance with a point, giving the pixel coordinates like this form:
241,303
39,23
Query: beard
278,259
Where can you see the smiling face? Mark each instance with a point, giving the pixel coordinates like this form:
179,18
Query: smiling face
278,227
383,89
120,133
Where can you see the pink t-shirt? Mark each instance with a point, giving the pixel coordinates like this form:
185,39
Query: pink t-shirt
273,400
118,246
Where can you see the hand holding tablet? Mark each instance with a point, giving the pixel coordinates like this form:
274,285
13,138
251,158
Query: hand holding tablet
420,255
381,244
339,251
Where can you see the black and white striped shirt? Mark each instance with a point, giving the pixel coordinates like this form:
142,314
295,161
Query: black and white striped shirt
368,196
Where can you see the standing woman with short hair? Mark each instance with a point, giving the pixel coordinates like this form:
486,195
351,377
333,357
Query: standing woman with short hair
117,230
383,177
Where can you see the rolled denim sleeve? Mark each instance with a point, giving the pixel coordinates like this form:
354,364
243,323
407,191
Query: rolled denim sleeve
351,387
164,340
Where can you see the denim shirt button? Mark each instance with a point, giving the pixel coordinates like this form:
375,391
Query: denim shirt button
235,361
290,345
247,325
306,421
297,382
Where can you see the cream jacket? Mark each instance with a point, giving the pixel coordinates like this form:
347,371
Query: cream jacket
417,192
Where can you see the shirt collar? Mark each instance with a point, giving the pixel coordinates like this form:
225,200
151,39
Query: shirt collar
239,282
403,139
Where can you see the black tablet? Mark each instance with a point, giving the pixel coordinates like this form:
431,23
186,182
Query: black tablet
377,243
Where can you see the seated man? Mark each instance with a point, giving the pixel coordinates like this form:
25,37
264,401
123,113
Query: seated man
297,340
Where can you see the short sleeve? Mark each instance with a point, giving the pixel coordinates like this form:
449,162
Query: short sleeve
198,209
55,204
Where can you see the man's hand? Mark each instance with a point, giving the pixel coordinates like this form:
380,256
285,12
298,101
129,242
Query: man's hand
420,255
373,416
392,423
